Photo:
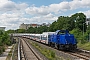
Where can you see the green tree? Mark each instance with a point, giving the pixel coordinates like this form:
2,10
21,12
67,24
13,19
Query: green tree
62,23
52,26
20,31
80,20
4,40
10,31
4,37
37,29
31,30
77,33
43,29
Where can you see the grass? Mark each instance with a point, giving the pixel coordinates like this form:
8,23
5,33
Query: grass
48,53
85,46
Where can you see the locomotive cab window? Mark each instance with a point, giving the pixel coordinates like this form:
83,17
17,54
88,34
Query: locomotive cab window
61,33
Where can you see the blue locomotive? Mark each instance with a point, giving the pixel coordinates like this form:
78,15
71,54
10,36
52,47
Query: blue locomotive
63,40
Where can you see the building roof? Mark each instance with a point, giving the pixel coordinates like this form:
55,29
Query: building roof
34,24
2,28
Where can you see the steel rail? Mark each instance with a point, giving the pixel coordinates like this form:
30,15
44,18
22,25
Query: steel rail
19,55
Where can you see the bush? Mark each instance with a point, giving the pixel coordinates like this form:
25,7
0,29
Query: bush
77,33
3,49
4,40
52,54
85,46
0,51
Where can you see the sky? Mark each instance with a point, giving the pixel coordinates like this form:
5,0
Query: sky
15,12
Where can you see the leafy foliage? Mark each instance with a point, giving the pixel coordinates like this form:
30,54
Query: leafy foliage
62,23
50,54
37,30
77,33
10,31
20,30
80,20
4,40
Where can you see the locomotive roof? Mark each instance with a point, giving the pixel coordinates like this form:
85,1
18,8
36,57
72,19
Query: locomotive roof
66,31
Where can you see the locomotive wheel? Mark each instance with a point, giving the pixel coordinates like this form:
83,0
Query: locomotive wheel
60,47
49,44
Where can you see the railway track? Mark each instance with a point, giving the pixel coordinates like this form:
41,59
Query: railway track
85,54
80,56
27,52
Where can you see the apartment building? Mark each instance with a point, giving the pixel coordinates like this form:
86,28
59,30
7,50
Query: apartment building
2,28
26,26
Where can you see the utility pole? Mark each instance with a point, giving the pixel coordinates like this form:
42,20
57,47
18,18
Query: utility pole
83,31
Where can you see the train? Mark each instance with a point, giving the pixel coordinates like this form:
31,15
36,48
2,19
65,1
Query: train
61,39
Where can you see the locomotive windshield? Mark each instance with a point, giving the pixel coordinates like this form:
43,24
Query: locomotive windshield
62,32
